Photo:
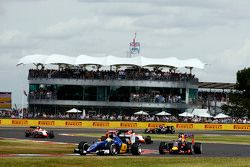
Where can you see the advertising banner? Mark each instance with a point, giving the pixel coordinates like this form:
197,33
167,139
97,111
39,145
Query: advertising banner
120,124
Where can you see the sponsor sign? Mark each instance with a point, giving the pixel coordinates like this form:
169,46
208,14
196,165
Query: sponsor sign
46,123
100,124
0,122
19,122
73,123
5,100
184,126
128,125
242,127
155,125
213,126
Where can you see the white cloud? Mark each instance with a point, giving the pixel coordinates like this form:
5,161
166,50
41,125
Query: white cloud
213,31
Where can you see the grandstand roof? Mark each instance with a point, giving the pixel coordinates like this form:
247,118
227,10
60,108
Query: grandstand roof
110,61
216,85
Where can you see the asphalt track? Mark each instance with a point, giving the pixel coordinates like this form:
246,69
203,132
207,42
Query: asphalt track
209,149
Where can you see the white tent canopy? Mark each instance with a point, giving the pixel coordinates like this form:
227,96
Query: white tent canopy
73,110
221,115
110,60
186,114
163,113
33,59
201,113
140,113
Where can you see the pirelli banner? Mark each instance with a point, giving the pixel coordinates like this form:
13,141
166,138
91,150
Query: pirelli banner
122,125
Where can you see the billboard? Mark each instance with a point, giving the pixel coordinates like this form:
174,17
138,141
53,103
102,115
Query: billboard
5,100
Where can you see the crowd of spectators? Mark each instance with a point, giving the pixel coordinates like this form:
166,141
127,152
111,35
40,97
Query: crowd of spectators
155,98
15,114
127,74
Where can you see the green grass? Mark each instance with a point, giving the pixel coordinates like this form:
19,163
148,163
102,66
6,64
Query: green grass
28,147
227,139
121,161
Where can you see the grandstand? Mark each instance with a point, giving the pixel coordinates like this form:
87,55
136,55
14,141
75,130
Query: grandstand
111,84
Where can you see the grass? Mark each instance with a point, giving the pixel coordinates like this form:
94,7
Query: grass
93,161
26,147
227,139
29,147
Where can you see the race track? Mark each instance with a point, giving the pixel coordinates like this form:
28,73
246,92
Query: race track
209,149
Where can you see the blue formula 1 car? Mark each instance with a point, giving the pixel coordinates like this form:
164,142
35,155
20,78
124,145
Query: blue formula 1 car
111,146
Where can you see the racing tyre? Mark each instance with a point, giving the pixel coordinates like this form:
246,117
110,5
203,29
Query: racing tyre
136,149
112,148
51,134
146,131
163,145
148,140
197,148
27,134
83,146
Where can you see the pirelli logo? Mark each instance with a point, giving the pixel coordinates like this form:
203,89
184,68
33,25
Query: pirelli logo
184,126
155,125
46,123
73,123
19,122
0,122
242,127
100,124
213,126
128,125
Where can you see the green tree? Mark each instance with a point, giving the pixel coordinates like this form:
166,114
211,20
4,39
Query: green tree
239,101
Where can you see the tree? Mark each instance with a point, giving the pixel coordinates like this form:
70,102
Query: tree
239,101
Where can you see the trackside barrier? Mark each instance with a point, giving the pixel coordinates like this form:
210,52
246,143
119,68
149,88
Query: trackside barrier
119,124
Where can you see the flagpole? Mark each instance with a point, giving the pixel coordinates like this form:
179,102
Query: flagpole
22,103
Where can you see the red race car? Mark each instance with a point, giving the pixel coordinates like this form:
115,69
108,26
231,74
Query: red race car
38,132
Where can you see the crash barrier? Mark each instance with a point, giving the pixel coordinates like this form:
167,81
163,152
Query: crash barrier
119,124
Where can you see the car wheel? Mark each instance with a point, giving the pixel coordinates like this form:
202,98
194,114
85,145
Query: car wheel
148,140
163,145
136,149
27,134
51,134
197,148
113,149
83,146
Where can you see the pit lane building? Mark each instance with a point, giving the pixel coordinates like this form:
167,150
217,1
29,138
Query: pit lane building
121,85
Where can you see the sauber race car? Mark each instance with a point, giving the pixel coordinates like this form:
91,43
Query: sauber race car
111,146
125,136
181,146
161,130
38,132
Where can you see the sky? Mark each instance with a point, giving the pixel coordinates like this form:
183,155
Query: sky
216,31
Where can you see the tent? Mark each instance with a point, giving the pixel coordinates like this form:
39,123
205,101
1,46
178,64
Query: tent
73,110
109,60
186,114
140,113
201,113
221,115
162,113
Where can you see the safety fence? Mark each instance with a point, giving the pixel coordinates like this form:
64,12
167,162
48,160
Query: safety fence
120,124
